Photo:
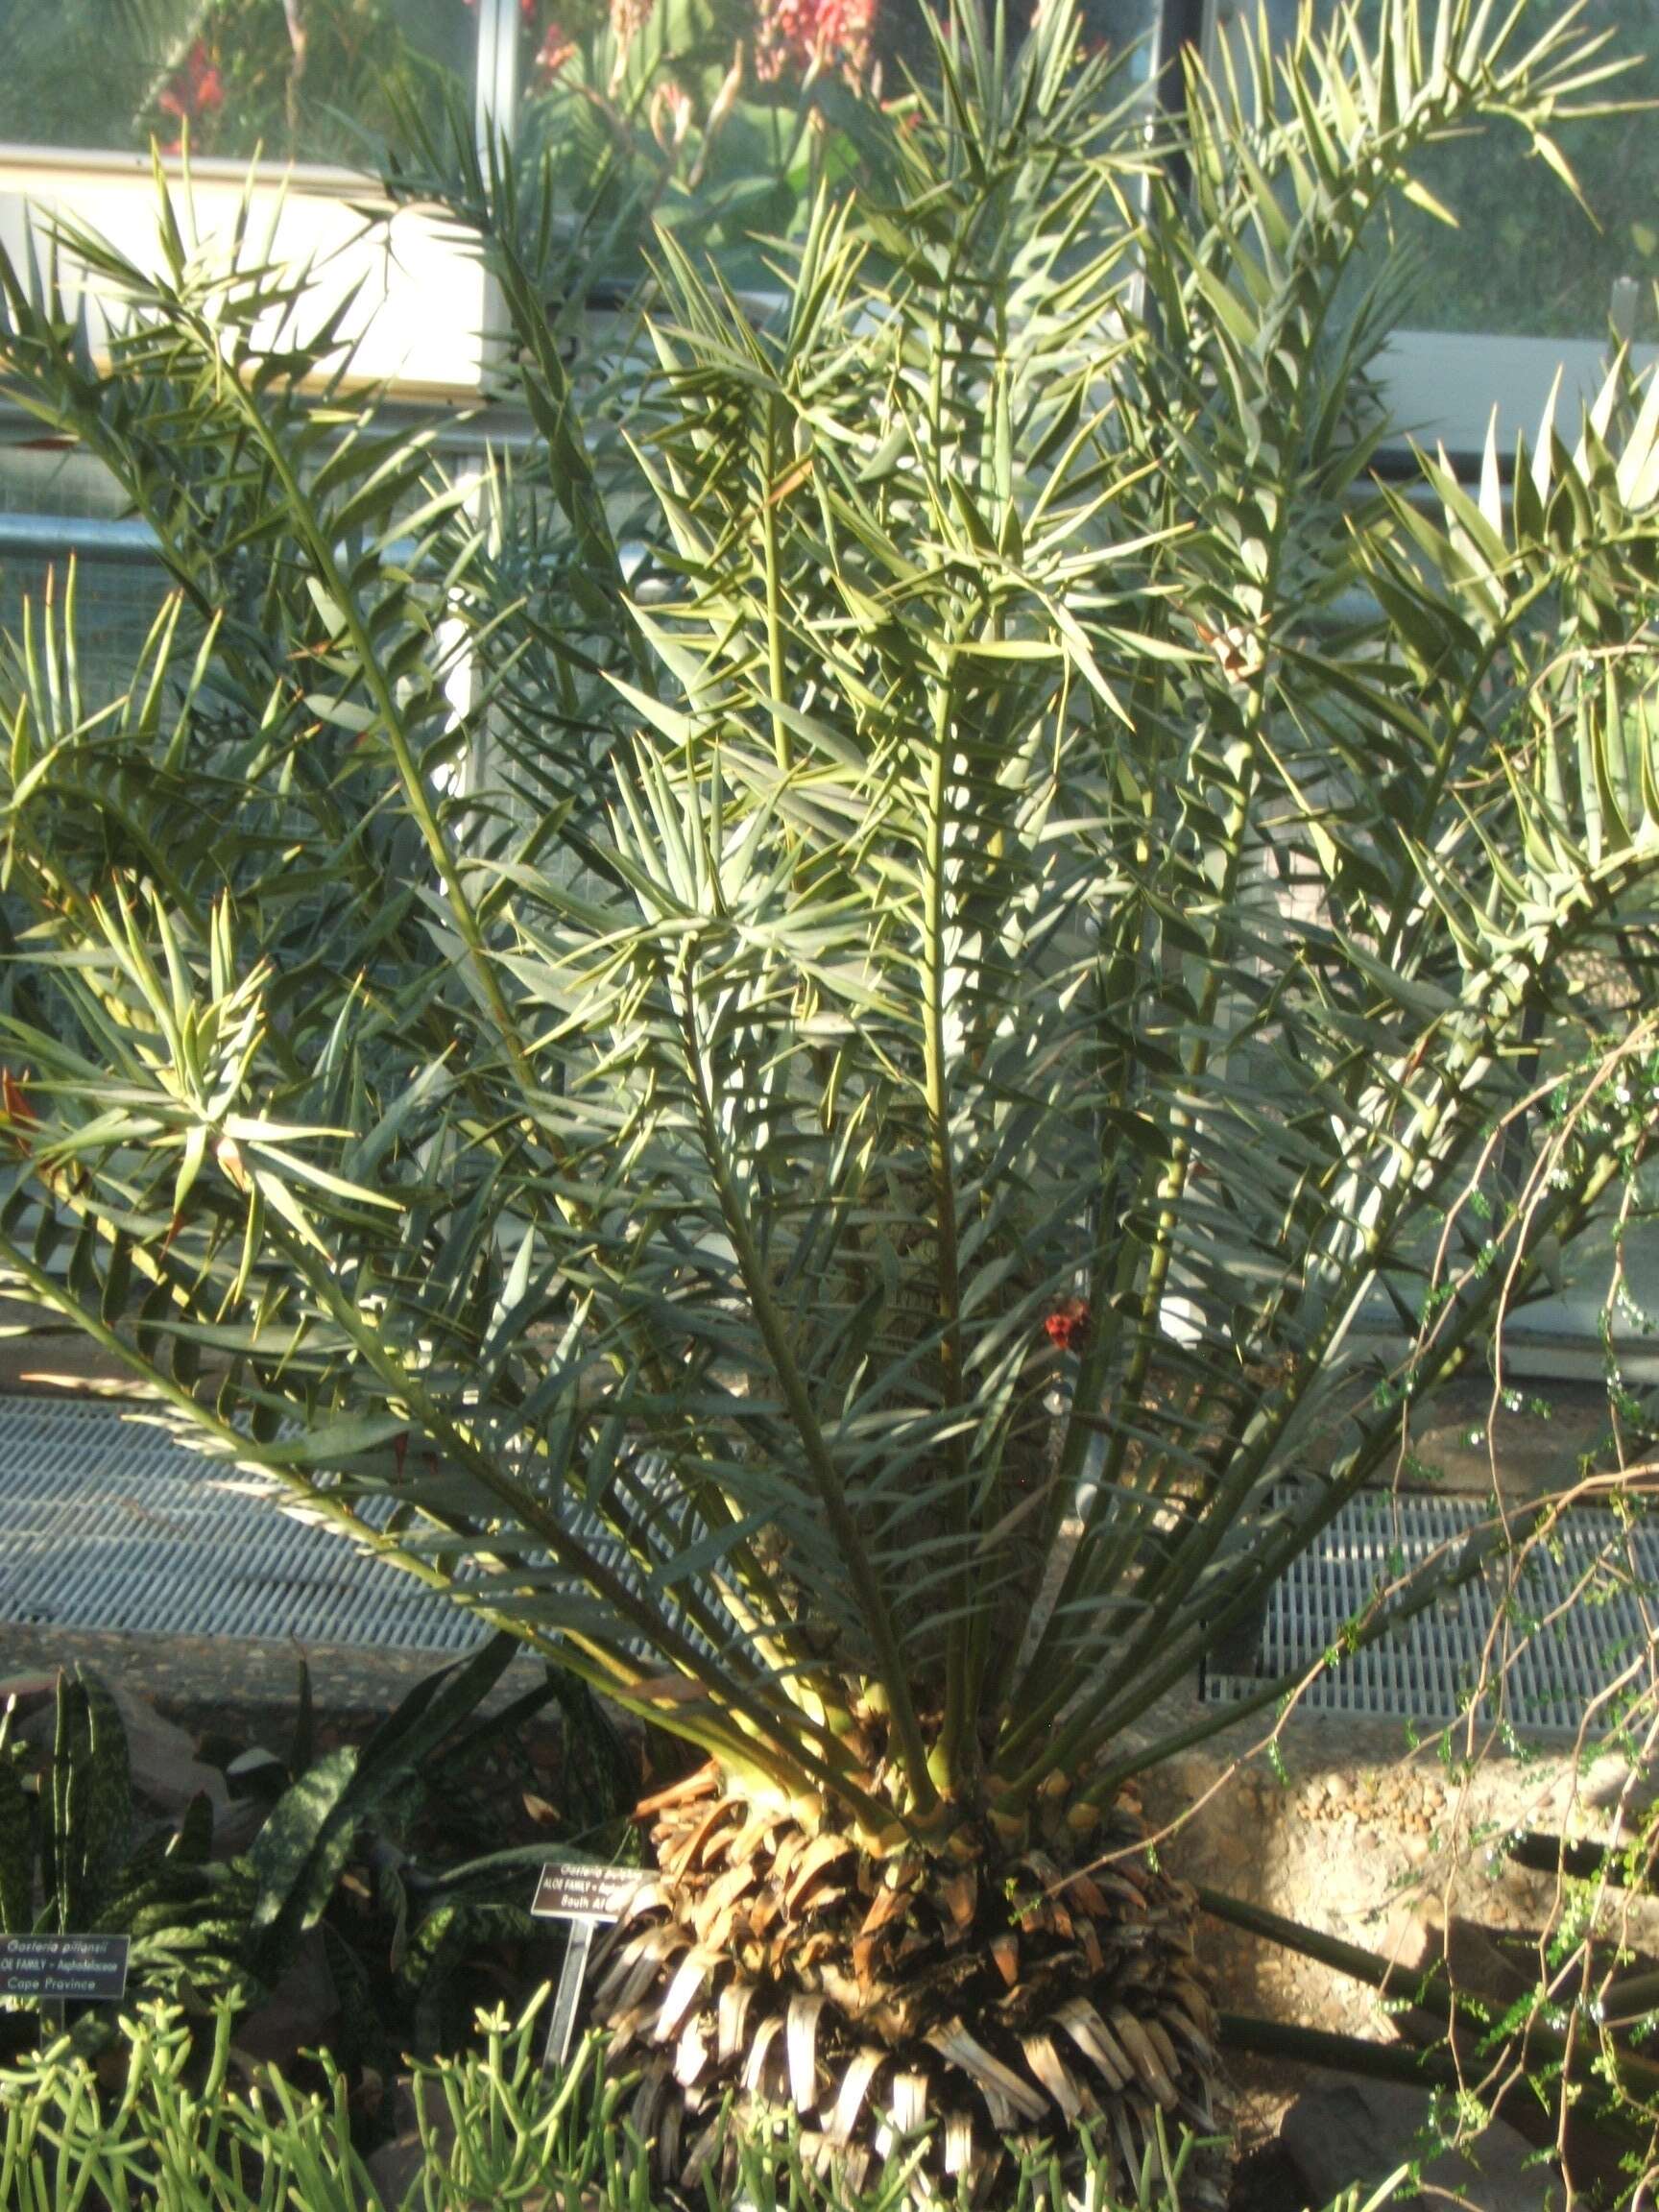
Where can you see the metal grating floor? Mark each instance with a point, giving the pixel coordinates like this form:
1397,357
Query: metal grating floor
108,1524
1429,1668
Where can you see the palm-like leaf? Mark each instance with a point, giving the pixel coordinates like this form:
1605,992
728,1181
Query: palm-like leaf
991,868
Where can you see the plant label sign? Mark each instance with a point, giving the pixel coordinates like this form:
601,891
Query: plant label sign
586,1896
585,1893
65,1969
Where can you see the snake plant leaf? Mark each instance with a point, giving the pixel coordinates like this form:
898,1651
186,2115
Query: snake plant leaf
104,1806
307,1841
18,1814
303,1845
192,1841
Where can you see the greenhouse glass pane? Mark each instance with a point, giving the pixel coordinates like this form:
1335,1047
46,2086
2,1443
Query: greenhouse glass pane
305,80
711,117
1526,260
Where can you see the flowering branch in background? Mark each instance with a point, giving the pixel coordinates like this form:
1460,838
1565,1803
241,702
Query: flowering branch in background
807,34
628,18
195,90
556,49
787,38
670,115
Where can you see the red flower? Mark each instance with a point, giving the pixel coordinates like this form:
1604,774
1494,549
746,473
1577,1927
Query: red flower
1067,1326
554,50
197,87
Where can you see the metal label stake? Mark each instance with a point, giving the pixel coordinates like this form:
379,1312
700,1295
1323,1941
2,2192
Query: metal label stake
588,1897
561,2027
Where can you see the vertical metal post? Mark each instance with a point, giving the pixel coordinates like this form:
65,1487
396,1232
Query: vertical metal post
494,123
496,120
1177,25
495,102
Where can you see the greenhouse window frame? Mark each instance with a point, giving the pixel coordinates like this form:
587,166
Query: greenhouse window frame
1442,386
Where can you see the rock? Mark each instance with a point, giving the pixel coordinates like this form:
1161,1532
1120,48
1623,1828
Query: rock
396,2166
160,1756
302,2012
27,1694
233,1830
1348,2129
166,1773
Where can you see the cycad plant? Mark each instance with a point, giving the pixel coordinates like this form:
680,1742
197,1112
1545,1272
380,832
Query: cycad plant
784,1044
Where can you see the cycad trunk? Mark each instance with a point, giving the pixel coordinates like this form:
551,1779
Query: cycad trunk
987,1986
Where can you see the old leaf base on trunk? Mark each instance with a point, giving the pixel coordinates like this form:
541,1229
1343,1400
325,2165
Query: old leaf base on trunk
995,1993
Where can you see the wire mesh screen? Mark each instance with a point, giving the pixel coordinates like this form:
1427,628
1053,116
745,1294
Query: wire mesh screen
117,593
115,603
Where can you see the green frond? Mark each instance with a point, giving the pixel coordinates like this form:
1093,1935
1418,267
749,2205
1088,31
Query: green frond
809,1024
